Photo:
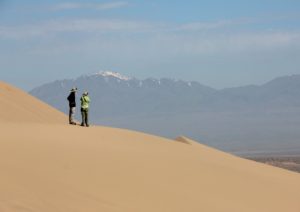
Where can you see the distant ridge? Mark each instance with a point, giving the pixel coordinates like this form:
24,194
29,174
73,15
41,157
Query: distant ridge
156,95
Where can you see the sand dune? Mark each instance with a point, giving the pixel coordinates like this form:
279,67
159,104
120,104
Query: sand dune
56,167
18,106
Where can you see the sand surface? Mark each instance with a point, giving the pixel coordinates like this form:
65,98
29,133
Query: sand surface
47,165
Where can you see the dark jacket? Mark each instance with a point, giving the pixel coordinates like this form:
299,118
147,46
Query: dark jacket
72,99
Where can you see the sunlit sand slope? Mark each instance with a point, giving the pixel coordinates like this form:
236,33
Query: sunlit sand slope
18,106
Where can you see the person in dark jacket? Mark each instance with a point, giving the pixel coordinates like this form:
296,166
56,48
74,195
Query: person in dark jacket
72,105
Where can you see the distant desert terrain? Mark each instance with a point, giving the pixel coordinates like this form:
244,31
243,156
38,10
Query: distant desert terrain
286,162
47,165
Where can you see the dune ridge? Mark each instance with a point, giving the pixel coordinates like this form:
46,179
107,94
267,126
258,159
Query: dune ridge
18,106
47,165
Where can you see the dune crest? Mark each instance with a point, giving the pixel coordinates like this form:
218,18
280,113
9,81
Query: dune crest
18,106
58,167
183,139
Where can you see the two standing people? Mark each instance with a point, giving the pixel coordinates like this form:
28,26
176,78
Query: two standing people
85,100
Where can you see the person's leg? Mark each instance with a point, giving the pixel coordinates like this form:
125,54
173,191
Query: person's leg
72,115
87,118
83,117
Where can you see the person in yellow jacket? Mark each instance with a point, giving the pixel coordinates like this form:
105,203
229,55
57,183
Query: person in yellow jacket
85,101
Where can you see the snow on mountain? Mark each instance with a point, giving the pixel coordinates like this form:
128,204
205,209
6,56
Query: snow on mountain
112,74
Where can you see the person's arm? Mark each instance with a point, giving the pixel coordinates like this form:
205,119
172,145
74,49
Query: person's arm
87,99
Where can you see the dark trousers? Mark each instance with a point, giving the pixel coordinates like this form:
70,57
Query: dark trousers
85,117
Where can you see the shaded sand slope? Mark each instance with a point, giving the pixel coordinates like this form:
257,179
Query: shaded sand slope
61,168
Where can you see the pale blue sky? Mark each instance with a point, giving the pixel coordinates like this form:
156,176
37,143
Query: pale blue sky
218,43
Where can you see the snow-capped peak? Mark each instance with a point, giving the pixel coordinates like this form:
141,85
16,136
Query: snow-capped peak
112,74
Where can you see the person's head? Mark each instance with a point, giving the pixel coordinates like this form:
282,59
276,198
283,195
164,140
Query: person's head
85,93
74,89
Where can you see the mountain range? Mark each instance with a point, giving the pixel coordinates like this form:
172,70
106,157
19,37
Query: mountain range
248,119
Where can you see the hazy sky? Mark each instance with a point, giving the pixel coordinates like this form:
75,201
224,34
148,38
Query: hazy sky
218,43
